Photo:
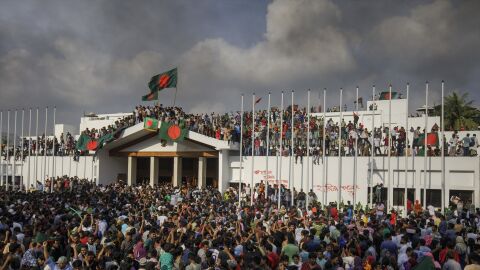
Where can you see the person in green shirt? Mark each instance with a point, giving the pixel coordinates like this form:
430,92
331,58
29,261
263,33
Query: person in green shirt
166,259
290,249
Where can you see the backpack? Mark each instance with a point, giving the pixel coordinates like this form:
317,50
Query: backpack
472,142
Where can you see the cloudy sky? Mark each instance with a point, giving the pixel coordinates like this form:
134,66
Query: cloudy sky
99,55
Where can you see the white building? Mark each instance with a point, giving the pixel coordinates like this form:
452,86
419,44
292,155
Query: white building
97,121
139,156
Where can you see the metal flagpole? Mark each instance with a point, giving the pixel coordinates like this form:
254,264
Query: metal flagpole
268,138
373,145
443,150
29,147
356,156
425,149
252,193
291,157
8,148
1,148
37,146
92,172
324,162
241,155
53,151
44,174
308,148
340,151
390,184
406,156
14,169
279,182
21,151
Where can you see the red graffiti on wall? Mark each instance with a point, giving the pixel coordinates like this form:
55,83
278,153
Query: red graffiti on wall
329,187
267,176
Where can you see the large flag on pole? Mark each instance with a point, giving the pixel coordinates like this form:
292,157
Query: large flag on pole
388,95
163,80
150,96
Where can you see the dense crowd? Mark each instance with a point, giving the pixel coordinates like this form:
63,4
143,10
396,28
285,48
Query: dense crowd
83,226
355,137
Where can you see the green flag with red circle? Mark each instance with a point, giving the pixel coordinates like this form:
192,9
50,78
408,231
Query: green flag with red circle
172,132
163,80
150,124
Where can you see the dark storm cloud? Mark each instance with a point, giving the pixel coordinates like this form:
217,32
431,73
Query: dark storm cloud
98,55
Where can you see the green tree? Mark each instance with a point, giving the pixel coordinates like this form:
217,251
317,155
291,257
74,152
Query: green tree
459,112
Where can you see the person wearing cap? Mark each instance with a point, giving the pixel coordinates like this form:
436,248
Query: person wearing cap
62,264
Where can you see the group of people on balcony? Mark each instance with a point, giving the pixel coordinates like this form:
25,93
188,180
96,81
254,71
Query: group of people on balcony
356,138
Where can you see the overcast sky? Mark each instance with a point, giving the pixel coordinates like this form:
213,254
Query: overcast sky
97,56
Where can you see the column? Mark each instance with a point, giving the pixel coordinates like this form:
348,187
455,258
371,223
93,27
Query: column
153,171
223,170
132,171
202,172
177,171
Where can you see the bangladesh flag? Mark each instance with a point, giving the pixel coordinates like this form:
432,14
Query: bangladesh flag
386,95
150,96
150,124
85,143
172,132
432,139
163,80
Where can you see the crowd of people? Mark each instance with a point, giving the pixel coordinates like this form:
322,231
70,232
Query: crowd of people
276,135
78,225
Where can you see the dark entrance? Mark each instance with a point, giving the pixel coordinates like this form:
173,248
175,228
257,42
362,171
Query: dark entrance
212,172
190,171
165,170
143,170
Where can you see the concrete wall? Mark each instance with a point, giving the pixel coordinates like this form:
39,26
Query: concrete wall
461,173
39,168
110,167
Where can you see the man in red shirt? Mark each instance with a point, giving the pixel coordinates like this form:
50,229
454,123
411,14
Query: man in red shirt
272,257
312,263
443,253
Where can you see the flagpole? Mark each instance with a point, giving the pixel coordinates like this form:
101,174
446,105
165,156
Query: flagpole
29,148
324,162
241,155
36,150
268,139
443,150
53,151
339,193
281,155
356,155
425,149
406,155
291,157
44,174
308,148
1,148
14,149
176,89
373,145
8,148
252,193
21,150
390,184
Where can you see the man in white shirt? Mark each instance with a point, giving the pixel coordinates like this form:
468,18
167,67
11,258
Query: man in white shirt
376,144
452,145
